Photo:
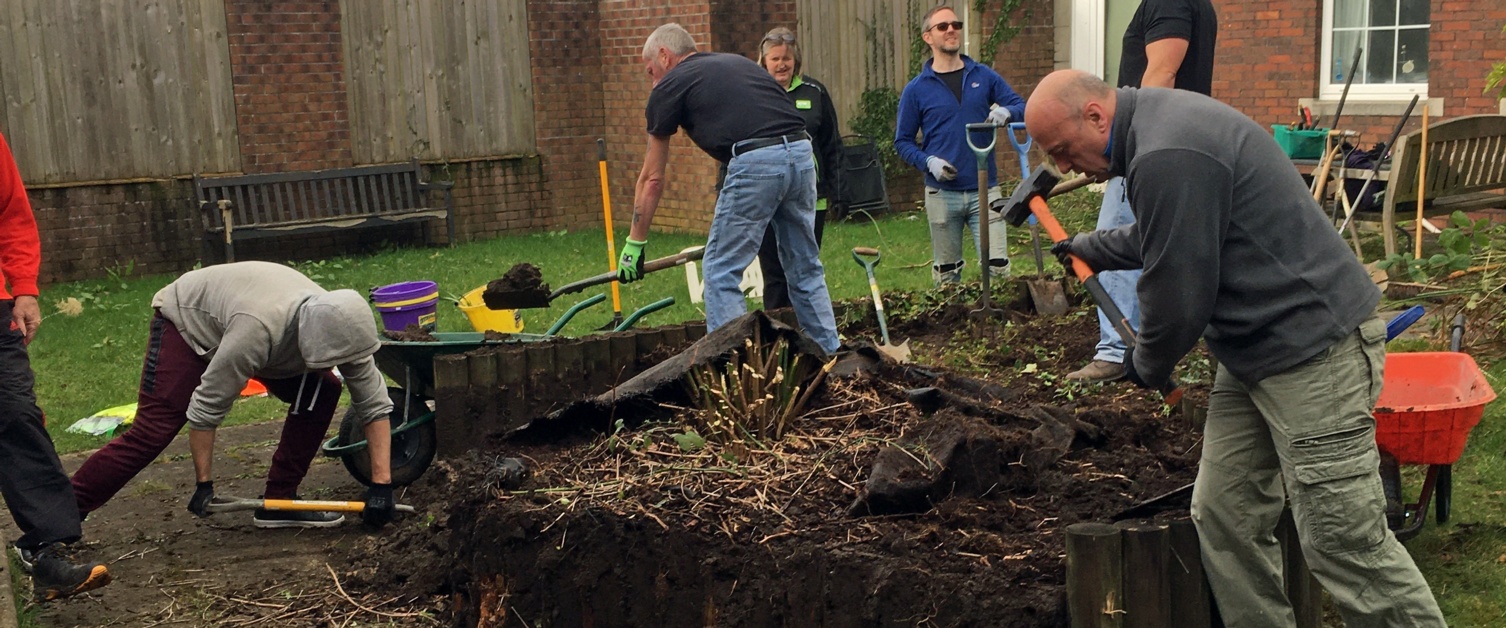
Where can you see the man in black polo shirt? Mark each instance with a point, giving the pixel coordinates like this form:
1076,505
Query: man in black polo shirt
1169,43
738,114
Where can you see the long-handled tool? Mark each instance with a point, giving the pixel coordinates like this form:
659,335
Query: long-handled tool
538,296
869,258
1046,295
1375,169
1030,198
1320,174
985,309
606,214
232,504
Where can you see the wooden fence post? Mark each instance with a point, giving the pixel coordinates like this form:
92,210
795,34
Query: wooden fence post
1095,568
451,384
1147,594
1191,601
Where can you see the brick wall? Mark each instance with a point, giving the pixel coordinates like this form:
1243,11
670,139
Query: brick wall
286,68
689,194
1268,57
1023,62
569,110
88,229
738,26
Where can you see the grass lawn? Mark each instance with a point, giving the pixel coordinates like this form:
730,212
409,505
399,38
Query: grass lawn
92,361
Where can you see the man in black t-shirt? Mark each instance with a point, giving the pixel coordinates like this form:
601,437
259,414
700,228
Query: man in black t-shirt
738,114
1169,43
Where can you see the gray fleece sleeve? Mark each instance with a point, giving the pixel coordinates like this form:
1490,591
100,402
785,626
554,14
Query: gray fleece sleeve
1183,201
241,353
368,391
1109,249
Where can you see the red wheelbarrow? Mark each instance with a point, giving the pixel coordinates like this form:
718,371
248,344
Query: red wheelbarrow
1428,404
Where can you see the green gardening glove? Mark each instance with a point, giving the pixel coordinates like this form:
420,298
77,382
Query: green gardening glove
630,266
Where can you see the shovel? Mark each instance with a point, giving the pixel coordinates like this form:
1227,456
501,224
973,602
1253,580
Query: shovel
537,296
862,255
985,309
1046,295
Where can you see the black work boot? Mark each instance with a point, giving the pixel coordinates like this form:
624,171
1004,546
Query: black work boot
264,518
54,575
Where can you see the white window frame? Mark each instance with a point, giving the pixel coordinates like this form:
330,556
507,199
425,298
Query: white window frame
1330,90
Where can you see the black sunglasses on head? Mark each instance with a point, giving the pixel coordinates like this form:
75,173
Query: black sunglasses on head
941,27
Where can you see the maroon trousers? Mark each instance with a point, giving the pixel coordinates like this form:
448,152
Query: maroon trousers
168,378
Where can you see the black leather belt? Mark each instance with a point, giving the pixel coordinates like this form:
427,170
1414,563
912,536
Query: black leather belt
765,142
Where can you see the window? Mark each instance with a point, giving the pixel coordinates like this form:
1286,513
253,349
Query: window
1393,35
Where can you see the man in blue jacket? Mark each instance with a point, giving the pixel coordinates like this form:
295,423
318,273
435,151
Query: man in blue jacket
951,92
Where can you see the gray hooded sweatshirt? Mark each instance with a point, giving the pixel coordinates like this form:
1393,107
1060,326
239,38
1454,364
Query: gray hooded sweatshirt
258,319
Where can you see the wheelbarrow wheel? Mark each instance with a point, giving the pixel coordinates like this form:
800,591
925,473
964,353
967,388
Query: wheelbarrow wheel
412,449
1444,491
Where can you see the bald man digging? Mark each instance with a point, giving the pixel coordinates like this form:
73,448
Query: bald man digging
1235,250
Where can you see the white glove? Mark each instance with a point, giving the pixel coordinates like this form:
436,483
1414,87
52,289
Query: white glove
940,169
998,115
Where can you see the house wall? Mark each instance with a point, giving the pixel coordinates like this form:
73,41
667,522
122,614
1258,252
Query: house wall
1268,56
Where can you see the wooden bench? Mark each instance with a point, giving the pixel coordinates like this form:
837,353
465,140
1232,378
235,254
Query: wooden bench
270,205
1466,169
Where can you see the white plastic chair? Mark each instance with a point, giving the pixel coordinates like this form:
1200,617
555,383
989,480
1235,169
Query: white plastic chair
751,285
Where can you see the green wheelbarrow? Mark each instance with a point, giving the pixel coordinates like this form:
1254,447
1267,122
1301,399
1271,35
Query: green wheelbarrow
410,363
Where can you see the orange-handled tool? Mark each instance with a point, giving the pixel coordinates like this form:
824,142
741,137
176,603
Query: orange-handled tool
1029,199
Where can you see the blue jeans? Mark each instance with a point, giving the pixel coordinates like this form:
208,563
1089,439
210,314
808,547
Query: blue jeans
774,185
949,211
1120,284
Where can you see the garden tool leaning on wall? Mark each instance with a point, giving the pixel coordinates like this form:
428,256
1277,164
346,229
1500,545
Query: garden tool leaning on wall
1030,198
868,258
1046,295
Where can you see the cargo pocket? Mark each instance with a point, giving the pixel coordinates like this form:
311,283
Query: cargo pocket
1373,345
1342,501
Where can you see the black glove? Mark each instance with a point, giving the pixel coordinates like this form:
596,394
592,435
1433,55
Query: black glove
1129,369
1061,250
202,495
381,508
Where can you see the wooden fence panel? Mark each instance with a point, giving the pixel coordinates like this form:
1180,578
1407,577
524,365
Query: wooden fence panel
437,80
855,45
98,90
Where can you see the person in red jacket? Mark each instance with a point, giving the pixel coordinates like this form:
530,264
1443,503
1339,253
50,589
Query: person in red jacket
36,490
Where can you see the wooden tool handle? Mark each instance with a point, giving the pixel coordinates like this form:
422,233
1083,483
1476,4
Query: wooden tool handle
678,259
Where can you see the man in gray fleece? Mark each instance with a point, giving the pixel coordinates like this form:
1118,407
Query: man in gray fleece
1236,251
214,329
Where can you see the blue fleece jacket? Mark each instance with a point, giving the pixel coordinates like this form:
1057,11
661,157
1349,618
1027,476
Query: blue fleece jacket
929,107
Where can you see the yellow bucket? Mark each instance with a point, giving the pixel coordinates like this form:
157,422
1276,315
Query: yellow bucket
483,319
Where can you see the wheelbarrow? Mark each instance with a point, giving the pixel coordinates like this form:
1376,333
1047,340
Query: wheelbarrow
410,363
1428,404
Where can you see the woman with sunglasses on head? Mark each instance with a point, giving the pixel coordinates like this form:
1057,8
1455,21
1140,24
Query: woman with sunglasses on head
780,55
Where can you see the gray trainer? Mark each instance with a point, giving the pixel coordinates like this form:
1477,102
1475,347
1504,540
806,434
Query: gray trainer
1098,371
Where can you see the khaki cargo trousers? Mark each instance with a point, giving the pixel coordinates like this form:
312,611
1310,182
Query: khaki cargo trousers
1306,435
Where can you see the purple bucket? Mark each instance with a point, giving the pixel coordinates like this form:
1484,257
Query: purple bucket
407,303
